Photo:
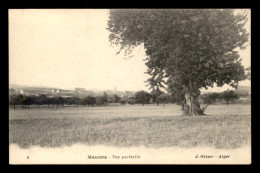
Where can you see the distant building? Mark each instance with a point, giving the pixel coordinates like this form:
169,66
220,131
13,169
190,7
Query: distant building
55,91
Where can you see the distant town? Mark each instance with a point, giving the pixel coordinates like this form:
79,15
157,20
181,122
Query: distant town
57,92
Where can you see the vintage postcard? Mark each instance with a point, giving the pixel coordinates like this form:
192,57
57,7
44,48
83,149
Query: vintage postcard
129,86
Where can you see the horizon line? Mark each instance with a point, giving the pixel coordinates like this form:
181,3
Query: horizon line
73,88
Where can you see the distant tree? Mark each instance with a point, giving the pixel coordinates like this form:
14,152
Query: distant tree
89,100
69,101
122,101
29,100
48,101
105,98
13,100
20,99
116,98
65,100
42,99
73,100
248,73
209,98
163,98
171,98
17,100
100,100
80,101
142,97
60,101
110,99
85,101
131,100
92,101
54,101
229,95
156,93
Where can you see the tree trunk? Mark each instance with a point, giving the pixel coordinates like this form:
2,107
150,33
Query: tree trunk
227,103
193,106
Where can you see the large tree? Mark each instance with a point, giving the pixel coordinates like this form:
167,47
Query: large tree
193,48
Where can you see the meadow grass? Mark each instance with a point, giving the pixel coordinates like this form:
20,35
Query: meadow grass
131,126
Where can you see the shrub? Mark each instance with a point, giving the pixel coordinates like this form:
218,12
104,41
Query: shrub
131,101
122,101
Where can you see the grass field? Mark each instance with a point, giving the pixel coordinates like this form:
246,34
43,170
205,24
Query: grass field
131,126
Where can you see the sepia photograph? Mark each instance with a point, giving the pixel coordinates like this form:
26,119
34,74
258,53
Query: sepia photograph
129,86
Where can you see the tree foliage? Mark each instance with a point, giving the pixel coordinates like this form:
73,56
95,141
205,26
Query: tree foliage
248,73
56,101
122,101
163,98
210,98
116,98
142,97
187,49
156,93
229,95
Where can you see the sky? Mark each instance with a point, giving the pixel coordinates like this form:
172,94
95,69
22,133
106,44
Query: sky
70,48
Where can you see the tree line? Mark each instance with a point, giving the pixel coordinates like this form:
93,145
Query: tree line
27,101
140,97
228,95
